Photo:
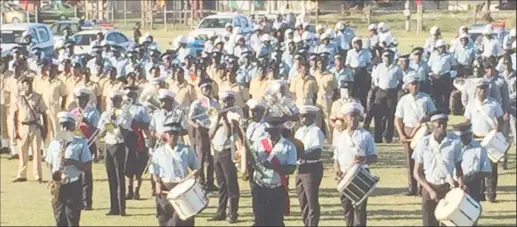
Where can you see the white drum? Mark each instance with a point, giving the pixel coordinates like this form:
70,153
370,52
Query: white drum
457,209
188,199
495,144
357,184
423,131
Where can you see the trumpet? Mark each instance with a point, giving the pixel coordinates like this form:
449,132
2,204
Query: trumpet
206,119
279,108
111,126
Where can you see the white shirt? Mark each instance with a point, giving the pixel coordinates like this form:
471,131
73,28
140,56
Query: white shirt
492,47
114,136
311,136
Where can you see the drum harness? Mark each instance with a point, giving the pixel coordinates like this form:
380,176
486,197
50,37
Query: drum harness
435,148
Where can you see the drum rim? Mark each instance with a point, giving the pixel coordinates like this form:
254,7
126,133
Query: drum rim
172,196
197,213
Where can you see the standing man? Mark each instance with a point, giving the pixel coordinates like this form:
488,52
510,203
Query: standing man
465,55
201,123
421,68
89,119
360,61
486,115
29,132
67,157
222,133
304,87
170,165
387,77
355,148
410,116
327,86
113,125
441,63
475,165
436,156
310,168
276,158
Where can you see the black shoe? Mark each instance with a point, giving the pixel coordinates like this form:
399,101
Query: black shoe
217,218
129,196
136,196
30,158
483,198
88,208
505,166
111,213
410,193
232,219
14,156
39,180
123,214
212,188
19,180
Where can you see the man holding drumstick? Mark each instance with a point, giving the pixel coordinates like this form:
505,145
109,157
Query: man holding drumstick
170,165
409,118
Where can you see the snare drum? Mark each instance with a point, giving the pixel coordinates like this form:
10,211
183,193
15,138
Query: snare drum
422,131
496,145
357,184
457,209
188,199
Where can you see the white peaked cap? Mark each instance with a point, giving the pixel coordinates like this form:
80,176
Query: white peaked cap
265,38
372,27
433,30
350,107
66,117
306,109
254,103
410,78
440,43
116,93
355,39
226,94
165,93
78,91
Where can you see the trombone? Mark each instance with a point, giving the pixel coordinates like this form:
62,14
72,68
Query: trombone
112,126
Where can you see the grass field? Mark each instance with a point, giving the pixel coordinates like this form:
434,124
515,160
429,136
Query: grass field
28,203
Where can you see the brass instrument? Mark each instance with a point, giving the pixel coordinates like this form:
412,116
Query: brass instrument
113,126
279,108
206,119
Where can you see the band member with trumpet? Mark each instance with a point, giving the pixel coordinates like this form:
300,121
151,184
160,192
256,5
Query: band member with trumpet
410,117
356,147
276,157
113,125
436,156
199,109
68,155
475,162
170,164
255,129
310,168
138,154
223,133
485,114
277,95
87,120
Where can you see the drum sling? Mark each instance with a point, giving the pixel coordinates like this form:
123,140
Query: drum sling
435,147
268,148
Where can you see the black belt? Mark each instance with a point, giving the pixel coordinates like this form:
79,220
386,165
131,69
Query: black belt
29,123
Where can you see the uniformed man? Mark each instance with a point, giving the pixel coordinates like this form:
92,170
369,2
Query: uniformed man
491,46
69,51
475,163
199,120
410,116
70,82
247,70
89,119
430,43
465,55
373,38
170,164
260,82
360,61
486,115
113,124
310,168
183,50
68,156
355,148
340,72
387,77
224,132
512,91
275,159
327,47
304,87
421,68
327,88
92,86
441,63
436,156
111,84
345,96
255,130
29,131
242,93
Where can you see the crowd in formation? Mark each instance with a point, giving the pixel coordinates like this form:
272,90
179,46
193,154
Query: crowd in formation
273,97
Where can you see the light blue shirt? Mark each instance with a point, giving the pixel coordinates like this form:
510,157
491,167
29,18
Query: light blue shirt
139,113
498,90
173,164
284,151
421,69
360,143
330,48
288,59
120,65
161,117
343,39
475,159
342,74
361,59
387,77
441,64
92,115
255,131
312,137
76,150
246,73
450,149
512,81
481,125
412,109
465,55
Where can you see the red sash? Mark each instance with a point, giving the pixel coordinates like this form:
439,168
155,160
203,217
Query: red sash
283,178
193,76
140,142
86,129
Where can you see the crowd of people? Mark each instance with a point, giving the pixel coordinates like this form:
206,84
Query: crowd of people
279,94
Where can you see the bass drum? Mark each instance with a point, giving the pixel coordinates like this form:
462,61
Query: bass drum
455,105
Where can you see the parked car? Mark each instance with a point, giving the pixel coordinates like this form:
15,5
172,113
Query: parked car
13,13
57,11
215,23
476,32
83,39
42,37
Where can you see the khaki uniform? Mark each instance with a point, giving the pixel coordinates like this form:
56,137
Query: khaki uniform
94,88
51,92
185,94
304,90
4,107
242,94
29,132
258,86
106,90
326,86
71,83
10,92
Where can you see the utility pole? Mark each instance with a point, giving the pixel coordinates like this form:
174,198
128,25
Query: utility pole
407,15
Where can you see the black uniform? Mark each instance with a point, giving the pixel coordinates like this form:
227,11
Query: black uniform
115,166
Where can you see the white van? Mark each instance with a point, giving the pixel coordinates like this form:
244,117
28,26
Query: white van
42,37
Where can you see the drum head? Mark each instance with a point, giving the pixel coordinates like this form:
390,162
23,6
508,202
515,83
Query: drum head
181,188
351,173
